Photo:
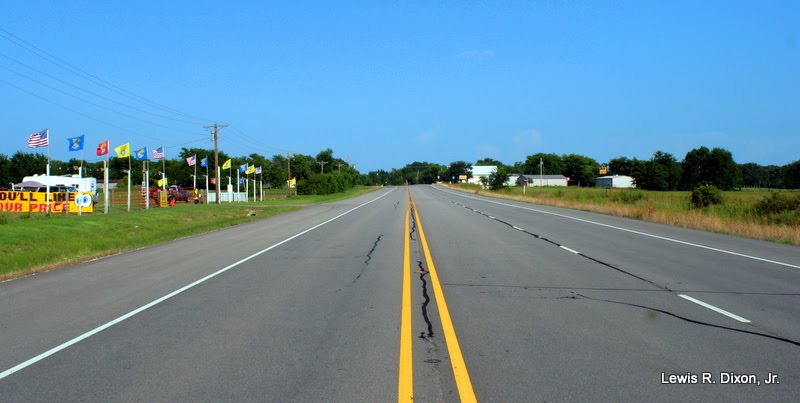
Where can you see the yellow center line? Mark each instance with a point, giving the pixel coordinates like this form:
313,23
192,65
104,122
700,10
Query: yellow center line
463,382
405,383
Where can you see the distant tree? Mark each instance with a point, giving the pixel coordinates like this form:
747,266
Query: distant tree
489,161
580,169
498,178
791,174
5,172
553,164
702,166
456,169
25,164
621,166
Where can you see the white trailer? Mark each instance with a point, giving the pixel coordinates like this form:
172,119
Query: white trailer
82,184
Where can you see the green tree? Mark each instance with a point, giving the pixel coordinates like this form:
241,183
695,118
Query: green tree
621,166
702,166
580,169
791,174
489,161
552,164
498,178
661,172
456,169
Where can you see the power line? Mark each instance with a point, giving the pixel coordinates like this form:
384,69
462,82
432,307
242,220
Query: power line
90,77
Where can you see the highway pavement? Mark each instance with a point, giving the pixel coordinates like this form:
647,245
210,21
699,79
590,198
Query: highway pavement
414,293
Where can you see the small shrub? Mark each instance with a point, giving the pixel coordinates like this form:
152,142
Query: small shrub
3,218
777,203
704,196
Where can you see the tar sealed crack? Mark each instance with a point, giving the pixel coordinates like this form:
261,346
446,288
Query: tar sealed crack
697,322
368,258
413,225
542,238
422,272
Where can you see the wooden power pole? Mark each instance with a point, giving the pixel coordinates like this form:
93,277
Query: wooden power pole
215,131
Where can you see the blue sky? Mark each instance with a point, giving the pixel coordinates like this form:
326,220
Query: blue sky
387,83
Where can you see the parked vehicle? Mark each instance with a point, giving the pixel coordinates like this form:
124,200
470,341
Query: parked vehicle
174,194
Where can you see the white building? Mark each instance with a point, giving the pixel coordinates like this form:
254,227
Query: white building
543,180
481,171
615,181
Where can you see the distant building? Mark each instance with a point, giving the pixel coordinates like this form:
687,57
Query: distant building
615,181
481,171
542,180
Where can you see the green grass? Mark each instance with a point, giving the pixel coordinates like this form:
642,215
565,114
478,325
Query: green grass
35,242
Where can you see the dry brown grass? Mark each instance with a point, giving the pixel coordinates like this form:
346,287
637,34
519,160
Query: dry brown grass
694,219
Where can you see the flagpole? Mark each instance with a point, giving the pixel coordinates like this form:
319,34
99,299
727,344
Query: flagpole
105,185
47,132
146,177
207,164
80,175
164,166
230,175
237,182
194,186
129,181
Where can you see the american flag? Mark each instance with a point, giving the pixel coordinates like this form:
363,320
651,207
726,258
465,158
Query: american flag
40,139
158,153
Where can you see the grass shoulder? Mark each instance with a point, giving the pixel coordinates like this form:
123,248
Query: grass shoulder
33,243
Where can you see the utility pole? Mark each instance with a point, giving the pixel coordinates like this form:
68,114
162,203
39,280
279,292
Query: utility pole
215,132
289,174
340,168
321,164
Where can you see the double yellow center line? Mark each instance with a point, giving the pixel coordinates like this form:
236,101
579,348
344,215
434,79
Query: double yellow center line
405,390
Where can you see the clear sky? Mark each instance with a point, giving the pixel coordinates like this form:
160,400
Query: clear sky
385,83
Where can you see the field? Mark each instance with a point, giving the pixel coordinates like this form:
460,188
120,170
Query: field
35,242
737,215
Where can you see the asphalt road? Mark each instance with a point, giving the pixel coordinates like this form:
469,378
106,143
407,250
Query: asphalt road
511,302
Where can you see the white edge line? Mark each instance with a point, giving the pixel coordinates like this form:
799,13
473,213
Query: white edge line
627,230
715,309
170,295
568,249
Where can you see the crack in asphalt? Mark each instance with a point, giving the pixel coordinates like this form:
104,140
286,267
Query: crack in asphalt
413,225
697,322
422,272
368,258
550,241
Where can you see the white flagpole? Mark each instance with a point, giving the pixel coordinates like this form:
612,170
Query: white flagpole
47,133
105,185
206,181
129,181
80,175
237,180
164,167
195,173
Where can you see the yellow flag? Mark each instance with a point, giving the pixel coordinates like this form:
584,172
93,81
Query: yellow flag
250,170
161,182
123,151
227,165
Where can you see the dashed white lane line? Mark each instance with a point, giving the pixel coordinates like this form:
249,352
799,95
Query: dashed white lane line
568,249
626,230
715,309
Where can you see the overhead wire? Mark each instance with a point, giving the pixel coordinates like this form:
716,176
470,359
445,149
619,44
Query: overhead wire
90,77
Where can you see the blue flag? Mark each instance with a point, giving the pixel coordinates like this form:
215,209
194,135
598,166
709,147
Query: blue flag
242,168
140,154
204,162
76,143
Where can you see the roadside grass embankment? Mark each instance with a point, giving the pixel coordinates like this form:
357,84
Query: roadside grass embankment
34,242
742,213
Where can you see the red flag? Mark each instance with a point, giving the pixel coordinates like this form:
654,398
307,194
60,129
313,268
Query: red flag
102,149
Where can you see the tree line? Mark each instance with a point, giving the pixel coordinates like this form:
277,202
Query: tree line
332,176
663,171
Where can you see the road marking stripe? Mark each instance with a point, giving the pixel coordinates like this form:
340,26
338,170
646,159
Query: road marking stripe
170,295
568,249
629,230
460,373
713,308
405,382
